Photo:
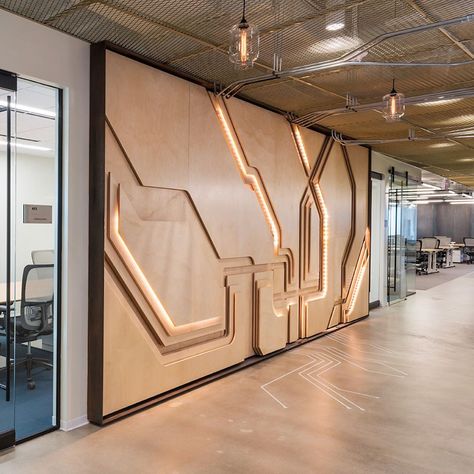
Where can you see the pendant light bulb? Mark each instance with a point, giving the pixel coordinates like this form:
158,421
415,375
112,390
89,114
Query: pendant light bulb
394,105
244,43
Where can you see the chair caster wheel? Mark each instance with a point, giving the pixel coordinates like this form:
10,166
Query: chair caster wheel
31,385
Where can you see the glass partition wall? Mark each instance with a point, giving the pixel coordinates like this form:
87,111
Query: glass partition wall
29,198
401,243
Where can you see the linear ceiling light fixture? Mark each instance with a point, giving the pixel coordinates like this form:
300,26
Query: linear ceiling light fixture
29,110
244,43
430,186
26,147
394,105
435,195
433,201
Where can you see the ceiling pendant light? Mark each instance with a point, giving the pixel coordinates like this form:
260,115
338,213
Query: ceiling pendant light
394,105
244,43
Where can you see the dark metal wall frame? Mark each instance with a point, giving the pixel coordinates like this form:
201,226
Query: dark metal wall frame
97,122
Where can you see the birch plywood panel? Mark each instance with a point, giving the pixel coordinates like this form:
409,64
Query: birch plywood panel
133,358
149,110
228,232
268,145
357,161
217,189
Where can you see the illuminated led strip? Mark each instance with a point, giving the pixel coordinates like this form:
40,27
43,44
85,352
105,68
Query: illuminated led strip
145,285
301,148
325,215
358,282
248,178
325,250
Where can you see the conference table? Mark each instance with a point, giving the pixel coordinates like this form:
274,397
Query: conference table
40,289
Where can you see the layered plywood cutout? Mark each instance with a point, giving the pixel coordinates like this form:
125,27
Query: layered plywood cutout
228,233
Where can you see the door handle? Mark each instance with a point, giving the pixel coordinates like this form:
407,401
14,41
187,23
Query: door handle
8,259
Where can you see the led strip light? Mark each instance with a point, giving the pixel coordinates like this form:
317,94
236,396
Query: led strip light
362,264
301,148
247,177
143,282
325,250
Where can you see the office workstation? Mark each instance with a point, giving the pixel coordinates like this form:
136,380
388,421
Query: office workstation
439,252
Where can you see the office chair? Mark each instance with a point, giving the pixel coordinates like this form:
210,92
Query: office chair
42,257
421,264
469,249
441,256
36,315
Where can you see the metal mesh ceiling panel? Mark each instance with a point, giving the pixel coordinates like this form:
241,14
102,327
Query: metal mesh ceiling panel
192,35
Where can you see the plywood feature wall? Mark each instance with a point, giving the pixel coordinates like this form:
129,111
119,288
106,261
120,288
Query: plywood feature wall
228,233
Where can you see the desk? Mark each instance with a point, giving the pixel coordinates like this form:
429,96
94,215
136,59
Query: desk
449,249
431,267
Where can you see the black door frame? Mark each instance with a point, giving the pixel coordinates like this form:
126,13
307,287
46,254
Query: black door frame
9,81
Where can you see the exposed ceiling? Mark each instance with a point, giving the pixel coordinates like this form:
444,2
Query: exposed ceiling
192,37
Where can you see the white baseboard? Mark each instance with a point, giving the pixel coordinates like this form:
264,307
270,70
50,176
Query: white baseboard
73,424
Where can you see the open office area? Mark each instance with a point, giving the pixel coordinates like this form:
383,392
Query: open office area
236,236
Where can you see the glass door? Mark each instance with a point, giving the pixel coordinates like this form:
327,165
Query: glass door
401,244
35,265
7,290
29,242
396,281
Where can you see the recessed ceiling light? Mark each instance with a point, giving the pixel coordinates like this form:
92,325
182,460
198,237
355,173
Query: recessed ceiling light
466,119
441,101
335,26
442,145
334,45
336,16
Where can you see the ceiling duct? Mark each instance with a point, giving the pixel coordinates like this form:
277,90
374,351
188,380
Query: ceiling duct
236,86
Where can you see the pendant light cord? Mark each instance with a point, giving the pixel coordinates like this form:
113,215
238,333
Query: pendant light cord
243,14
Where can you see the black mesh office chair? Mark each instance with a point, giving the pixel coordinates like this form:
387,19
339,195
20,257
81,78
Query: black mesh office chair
421,259
35,318
469,249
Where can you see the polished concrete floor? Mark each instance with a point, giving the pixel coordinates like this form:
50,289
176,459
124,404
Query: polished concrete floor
391,394
426,282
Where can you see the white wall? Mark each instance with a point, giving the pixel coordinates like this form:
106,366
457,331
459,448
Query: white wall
378,265
36,184
37,52
382,164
